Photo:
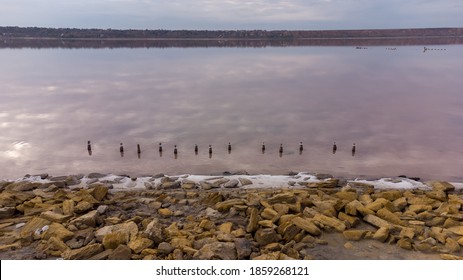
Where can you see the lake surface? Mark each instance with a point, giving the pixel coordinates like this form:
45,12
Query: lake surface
400,105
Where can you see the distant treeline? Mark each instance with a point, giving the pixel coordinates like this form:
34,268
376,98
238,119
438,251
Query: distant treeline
34,37
75,33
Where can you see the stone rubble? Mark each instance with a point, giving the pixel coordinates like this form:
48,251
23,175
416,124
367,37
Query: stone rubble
177,218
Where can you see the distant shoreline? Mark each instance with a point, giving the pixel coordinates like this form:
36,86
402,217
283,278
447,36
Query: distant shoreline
74,33
37,37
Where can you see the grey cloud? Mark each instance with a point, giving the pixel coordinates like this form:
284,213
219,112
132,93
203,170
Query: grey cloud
233,14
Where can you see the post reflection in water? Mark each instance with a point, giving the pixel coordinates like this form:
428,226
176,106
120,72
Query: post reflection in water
121,150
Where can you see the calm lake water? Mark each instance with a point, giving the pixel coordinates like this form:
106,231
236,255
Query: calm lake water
401,106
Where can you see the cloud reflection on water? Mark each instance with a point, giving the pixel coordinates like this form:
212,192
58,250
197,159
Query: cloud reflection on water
400,109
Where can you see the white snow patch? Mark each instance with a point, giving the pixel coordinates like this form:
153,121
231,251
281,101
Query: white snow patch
33,179
258,181
458,186
389,183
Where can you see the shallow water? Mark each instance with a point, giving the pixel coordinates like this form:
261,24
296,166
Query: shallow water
400,106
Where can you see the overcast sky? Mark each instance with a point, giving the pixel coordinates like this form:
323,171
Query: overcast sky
232,14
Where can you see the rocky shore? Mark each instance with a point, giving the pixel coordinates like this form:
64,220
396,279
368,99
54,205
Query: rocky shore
233,217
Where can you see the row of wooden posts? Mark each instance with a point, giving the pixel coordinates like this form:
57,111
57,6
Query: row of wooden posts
229,148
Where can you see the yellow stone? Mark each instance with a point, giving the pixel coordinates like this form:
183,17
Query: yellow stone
149,251
442,186
356,206
253,220
451,245
405,243
226,227
349,246
418,208
55,217
58,231
390,217
331,222
269,214
32,226
114,239
240,232
266,223
286,218
306,225
451,257
206,224
180,243
354,234
84,252
353,221
407,233
139,244
421,200
226,205
272,247
457,230
267,257
282,209
349,196
56,244
378,204
165,212
381,234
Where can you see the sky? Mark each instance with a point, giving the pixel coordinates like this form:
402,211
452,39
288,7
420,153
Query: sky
232,14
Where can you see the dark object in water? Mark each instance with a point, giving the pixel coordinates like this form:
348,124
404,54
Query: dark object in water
263,147
138,149
411,178
353,150
335,148
196,149
160,147
89,148
210,149
229,147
